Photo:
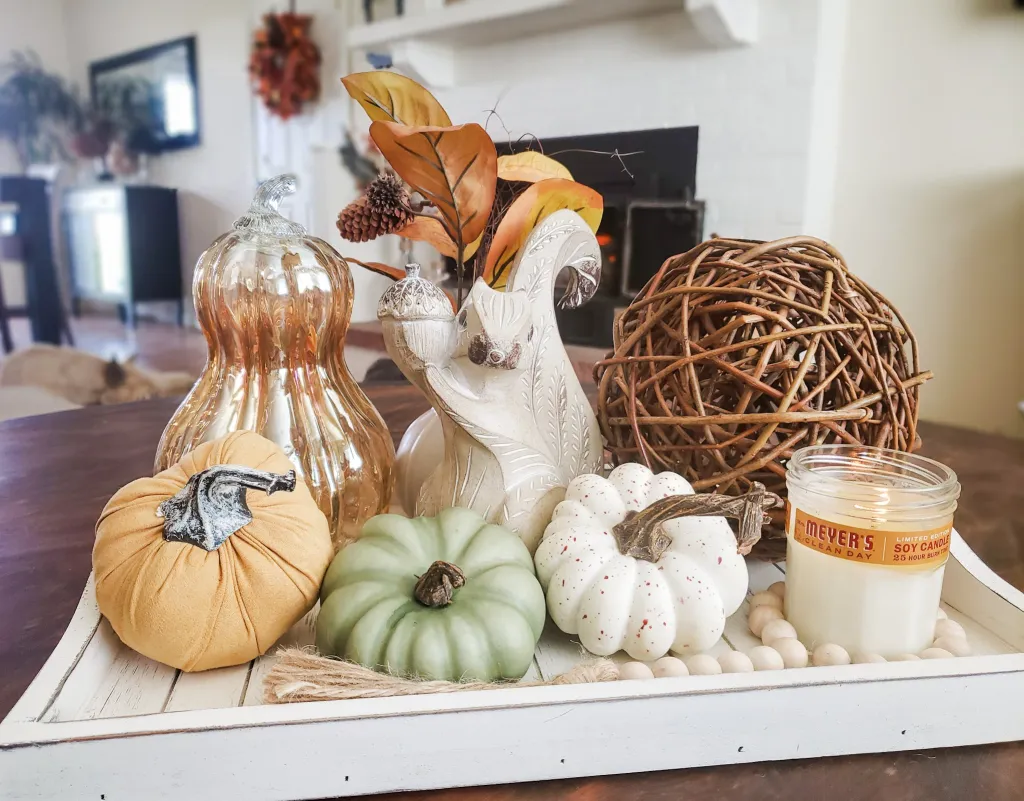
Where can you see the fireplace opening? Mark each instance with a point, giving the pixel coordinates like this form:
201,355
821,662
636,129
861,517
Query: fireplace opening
650,213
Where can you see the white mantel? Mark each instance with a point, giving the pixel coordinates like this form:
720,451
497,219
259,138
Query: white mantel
425,43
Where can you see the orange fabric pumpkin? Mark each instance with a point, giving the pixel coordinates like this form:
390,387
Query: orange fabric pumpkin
209,562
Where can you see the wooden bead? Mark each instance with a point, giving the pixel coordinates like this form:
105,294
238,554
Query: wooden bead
957,646
777,630
942,615
703,665
764,658
792,651
669,666
936,653
905,658
760,616
635,670
861,658
766,599
949,628
829,654
736,662
778,588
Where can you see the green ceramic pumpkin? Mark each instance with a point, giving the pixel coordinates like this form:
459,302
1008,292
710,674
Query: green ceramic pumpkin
448,597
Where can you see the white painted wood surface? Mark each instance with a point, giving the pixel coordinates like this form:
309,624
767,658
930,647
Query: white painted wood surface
102,720
424,45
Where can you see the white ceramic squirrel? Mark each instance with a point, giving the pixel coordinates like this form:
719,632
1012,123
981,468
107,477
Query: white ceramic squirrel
516,424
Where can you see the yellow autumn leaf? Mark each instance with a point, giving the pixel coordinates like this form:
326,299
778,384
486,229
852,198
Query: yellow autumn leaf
530,166
391,97
539,201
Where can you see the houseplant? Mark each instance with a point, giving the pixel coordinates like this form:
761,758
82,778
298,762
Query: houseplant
38,110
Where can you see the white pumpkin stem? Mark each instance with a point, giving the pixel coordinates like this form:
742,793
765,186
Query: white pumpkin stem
437,586
641,535
211,506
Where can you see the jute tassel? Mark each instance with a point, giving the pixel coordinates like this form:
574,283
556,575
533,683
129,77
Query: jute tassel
301,675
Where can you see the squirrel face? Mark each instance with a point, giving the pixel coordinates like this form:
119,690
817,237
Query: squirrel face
496,326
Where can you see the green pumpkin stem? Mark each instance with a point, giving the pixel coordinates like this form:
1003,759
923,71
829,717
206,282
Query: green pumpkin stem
641,535
211,506
437,586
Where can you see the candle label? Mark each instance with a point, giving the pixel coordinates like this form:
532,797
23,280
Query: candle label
872,546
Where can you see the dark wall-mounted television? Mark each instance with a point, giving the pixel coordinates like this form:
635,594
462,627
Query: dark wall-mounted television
151,94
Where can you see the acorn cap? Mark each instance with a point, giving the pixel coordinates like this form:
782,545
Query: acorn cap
414,298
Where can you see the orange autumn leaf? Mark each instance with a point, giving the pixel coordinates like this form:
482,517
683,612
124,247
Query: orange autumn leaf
424,229
540,200
454,168
392,97
530,166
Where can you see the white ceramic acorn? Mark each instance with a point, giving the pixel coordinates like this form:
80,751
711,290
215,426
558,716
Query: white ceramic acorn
516,424
624,570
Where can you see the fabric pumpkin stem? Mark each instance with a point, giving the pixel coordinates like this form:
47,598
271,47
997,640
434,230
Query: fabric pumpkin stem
211,506
437,586
641,536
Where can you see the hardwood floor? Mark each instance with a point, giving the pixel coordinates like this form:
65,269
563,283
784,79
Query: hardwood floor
162,346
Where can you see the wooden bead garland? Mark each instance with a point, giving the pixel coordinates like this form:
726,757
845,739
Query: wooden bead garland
781,648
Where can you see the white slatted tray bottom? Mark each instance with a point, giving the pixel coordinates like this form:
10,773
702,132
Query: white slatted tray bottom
100,721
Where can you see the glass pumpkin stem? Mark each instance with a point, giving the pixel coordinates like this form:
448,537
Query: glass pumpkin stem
437,586
641,535
262,216
211,506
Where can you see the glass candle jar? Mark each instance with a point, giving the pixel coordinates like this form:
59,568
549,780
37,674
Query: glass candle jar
868,533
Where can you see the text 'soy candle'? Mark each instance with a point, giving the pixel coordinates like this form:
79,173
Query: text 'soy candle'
868,532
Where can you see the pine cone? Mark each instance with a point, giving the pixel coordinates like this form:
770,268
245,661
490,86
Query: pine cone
382,209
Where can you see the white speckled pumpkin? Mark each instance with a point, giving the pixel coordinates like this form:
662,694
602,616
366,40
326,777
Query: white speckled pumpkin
645,601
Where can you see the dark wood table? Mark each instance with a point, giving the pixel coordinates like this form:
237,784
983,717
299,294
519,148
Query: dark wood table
58,470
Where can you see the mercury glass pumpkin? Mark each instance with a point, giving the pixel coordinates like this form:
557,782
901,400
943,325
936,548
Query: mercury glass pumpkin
274,304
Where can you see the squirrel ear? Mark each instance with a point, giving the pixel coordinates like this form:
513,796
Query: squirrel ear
113,374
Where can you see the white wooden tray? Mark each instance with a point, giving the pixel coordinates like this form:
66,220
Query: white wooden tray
102,722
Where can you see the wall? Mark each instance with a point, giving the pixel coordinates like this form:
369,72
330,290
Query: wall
763,111
217,178
36,25
929,204
307,146
753,104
